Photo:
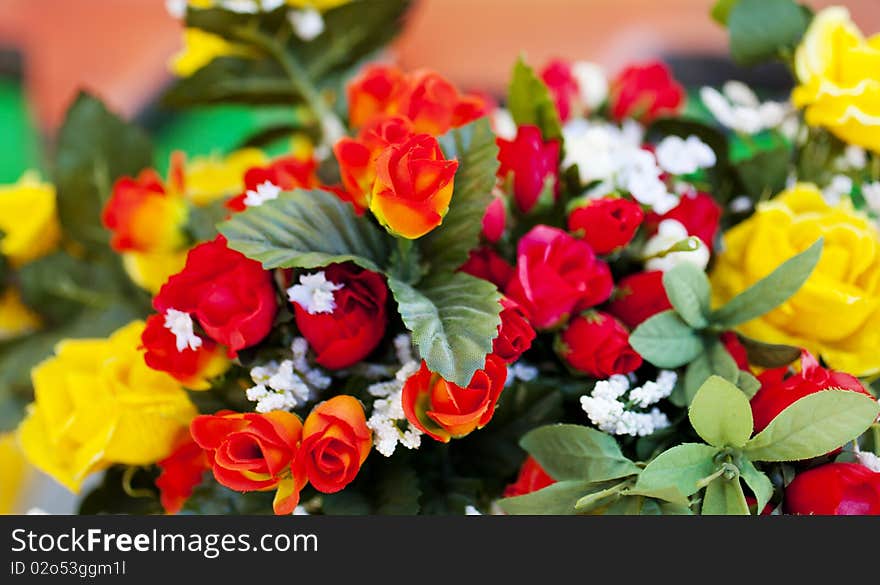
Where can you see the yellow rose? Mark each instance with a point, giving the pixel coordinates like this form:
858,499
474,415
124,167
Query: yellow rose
98,403
150,270
210,178
839,75
837,311
15,473
200,48
28,220
15,317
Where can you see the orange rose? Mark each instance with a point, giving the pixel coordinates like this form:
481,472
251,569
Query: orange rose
336,441
376,91
253,452
413,186
444,410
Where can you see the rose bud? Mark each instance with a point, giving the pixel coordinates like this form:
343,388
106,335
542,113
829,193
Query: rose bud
531,478
645,92
444,410
341,312
181,472
563,86
485,263
557,275
834,489
494,220
778,392
430,102
639,296
531,161
597,344
515,335
376,91
413,186
228,294
357,156
471,107
172,347
253,452
336,442
266,183
144,216
697,212
606,224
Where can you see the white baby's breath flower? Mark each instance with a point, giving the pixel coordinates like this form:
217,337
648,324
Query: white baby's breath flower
308,24
314,293
612,404
503,124
265,191
250,6
839,187
288,384
592,83
669,233
871,193
739,109
181,325
681,156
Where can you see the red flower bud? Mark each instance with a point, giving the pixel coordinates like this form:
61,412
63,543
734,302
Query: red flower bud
286,173
834,489
562,84
645,91
494,220
606,224
531,160
639,296
515,335
181,472
598,344
531,478
485,263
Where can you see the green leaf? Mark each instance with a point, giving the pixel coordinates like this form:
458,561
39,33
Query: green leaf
813,426
758,482
678,469
233,80
748,383
720,413
397,491
453,320
769,355
721,11
764,173
688,290
529,102
568,451
600,498
761,29
716,360
771,291
306,229
555,499
724,498
95,147
666,341
447,246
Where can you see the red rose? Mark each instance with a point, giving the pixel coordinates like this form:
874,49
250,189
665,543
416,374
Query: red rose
191,367
515,335
286,173
834,489
253,452
374,92
531,478
598,344
562,85
557,275
531,161
336,442
228,294
355,326
430,102
495,220
736,349
444,410
639,296
606,224
698,213
485,263
181,472
471,107
644,92
779,392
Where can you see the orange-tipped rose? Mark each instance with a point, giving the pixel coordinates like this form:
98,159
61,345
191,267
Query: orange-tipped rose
413,186
444,410
144,216
376,91
253,452
336,441
357,156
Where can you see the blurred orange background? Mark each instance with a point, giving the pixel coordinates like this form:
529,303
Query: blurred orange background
119,48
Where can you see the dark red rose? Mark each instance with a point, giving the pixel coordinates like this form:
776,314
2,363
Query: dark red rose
639,296
515,335
557,275
597,344
531,478
699,213
606,224
228,294
531,160
644,92
485,263
355,326
834,489
562,84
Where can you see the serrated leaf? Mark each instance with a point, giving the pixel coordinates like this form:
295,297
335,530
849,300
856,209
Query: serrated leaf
306,229
666,341
761,29
769,355
678,469
453,321
720,413
688,290
447,246
758,482
814,425
556,499
771,291
529,102
568,451
724,498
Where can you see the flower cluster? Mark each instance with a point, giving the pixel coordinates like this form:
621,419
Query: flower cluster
614,407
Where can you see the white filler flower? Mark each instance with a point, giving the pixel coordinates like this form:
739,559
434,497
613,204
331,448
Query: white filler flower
314,293
181,325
